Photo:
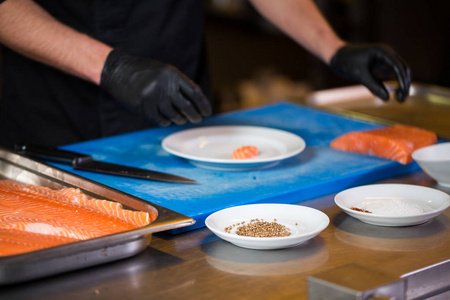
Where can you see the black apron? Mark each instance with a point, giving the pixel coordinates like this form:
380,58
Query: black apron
42,105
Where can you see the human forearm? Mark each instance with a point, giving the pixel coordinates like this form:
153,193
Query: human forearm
302,21
28,29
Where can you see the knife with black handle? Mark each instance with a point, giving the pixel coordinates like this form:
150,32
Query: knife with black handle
85,162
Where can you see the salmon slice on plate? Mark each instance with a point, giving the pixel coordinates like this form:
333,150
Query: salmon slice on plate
245,152
396,142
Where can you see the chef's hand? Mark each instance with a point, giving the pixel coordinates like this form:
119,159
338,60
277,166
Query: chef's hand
156,90
369,65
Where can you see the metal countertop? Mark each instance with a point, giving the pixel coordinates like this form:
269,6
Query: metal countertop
198,265
348,257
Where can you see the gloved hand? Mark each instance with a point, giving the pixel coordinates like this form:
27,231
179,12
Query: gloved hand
156,90
369,65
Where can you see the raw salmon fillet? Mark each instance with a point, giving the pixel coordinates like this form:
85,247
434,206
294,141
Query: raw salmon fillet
35,217
395,142
245,152
76,197
14,241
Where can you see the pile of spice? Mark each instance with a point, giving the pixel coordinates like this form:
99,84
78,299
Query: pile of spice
259,228
360,209
393,207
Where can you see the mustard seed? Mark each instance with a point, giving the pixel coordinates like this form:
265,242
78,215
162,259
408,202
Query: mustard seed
261,228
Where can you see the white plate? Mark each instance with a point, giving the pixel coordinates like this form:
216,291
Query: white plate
304,224
431,201
211,147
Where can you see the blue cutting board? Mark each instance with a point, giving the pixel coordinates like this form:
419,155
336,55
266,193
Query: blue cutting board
317,171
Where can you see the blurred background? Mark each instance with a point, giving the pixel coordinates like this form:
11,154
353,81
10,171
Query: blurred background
252,63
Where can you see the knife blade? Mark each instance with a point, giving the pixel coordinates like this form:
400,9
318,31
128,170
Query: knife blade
86,162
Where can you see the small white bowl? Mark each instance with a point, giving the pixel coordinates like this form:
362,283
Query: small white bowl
431,202
435,161
303,222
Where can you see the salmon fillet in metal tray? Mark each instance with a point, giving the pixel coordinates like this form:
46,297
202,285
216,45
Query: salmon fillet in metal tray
36,217
395,142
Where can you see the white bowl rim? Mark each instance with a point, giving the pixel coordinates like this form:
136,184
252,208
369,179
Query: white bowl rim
420,156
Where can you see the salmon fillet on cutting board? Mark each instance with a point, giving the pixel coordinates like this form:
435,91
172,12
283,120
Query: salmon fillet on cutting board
396,142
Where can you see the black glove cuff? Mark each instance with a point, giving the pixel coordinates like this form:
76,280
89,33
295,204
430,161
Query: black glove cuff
116,58
339,64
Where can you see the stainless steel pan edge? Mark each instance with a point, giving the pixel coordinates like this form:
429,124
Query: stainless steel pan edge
78,255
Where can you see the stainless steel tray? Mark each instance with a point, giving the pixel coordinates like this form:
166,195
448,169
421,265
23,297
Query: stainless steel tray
82,254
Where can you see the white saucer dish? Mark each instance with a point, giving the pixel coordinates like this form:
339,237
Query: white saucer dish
211,147
393,204
435,161
303,222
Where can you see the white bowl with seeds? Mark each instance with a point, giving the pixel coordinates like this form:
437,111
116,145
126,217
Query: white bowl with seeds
267,226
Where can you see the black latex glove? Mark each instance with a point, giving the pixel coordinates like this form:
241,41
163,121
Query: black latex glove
369,65
153,89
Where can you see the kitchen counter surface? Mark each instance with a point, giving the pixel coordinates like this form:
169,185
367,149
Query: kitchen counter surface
348,256
198,265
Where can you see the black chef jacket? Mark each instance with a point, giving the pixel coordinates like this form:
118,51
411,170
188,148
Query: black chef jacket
42,105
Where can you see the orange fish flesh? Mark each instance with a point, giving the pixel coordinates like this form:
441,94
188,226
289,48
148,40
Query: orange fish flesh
396,142
29,211
245,152
15,241
77,197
